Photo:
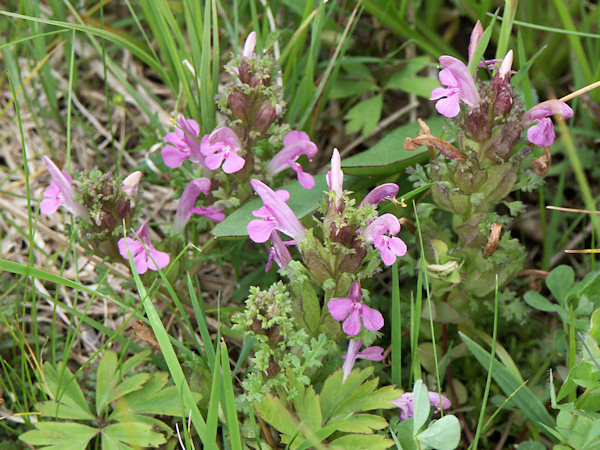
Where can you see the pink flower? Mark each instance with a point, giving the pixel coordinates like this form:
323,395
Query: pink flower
144,255
131,183
222,147
249,46
351,309
374,353
389,246
460,86
260,230
296,143
275,215
543,134
184,144
335,177
60,193
380,193
279,252
476,36
405,403
188,199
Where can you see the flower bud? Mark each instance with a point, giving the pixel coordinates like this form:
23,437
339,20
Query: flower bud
265,116
477,123
244,72
237,104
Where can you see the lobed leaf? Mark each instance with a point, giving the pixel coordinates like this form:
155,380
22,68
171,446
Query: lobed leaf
63,435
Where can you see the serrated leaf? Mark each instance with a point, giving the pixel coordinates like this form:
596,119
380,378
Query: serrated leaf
388,155
134,433
63,411
361,441
135,360
334,392
362,423
444,434
538,301
67,435
272,410
364,115
106,379
559,281
421,405
366,398
63,387
109,387
166,402
308,408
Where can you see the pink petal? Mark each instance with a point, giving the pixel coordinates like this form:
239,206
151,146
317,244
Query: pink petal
340,307
434,399
542,134
295,136
173,156
260,230
233,163
214,161
449,107
374,353
306,180
352,324
397,246
372,319
157,259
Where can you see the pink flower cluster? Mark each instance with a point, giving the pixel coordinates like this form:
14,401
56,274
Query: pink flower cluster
460,86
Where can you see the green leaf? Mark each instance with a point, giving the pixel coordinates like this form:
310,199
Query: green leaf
152,399
421,86
135,360
421,405
388,155
334,392
272,410
64,435
538,301
443,434
65,390
108,388
308,408
525,399
133,433
301,201
343,88
63,411
366,398
361,441
362,423
365,115
559,281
